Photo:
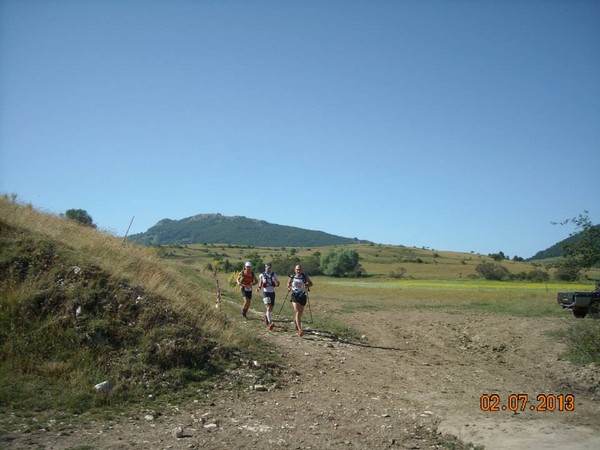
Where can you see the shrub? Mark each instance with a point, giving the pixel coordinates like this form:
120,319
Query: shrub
81,216
492,271
567,273
538,276
582,339
398,273
340,263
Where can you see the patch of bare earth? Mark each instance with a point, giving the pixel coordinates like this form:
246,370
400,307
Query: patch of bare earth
413,381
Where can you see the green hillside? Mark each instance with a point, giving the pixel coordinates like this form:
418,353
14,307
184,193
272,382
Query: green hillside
557,250
236,230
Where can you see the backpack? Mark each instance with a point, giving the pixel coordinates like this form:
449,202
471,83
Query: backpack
302,277
268,277
247,280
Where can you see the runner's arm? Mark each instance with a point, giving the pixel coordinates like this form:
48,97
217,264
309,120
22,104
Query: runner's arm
309,282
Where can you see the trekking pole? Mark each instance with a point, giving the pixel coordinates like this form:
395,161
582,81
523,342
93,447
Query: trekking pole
309,308
284,302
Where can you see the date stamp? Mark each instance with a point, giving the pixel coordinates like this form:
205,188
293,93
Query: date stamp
525,402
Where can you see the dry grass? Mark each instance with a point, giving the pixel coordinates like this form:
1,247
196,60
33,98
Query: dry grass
138,264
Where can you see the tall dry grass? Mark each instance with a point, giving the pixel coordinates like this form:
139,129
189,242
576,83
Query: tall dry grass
193,296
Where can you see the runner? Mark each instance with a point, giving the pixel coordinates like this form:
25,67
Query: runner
268,281
298,284
246,279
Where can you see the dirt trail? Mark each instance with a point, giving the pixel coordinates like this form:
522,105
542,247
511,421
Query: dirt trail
414,380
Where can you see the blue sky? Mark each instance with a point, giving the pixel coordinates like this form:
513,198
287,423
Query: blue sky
454,125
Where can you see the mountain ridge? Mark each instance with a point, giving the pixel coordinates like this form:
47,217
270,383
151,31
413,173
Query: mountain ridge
215,228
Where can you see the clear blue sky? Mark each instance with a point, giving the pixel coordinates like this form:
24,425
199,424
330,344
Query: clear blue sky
455,125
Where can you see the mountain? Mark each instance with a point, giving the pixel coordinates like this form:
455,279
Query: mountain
556,250
237,230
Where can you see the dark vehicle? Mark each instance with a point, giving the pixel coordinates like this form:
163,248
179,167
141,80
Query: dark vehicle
581,303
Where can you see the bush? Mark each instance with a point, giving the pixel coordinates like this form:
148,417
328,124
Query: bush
398,273
81,216
492,271
567,273
582,339
341,263
538,276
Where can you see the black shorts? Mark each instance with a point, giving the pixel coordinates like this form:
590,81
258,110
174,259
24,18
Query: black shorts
299,297
269,298
247,294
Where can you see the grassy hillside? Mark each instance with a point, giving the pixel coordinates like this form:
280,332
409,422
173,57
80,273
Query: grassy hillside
78,307
378,260
237,230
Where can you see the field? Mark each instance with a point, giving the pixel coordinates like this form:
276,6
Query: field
441,279
416,362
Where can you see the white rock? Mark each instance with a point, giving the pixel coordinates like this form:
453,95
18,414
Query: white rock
103,387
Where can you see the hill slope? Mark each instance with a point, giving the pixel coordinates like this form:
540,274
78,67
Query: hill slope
557,250
237,230
78,307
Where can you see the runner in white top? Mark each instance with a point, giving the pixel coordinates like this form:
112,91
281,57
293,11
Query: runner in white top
268,281
298,284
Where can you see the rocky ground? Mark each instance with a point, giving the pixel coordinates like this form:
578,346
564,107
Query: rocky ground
414,380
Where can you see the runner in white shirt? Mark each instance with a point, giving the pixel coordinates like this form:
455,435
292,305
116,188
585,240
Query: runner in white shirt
268,281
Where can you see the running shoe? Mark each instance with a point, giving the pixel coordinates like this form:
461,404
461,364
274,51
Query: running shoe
271,326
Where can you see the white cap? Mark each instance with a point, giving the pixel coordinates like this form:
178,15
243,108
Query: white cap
248,264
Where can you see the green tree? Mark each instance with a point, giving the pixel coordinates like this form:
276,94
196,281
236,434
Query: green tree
341,263
585,251
538,275
81,216
492,271
564,272
500,256
255,259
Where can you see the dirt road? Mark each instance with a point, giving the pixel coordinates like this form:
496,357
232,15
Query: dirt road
414,380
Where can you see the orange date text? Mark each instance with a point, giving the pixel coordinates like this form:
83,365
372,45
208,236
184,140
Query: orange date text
524,402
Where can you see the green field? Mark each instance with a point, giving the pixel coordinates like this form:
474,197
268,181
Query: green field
433,279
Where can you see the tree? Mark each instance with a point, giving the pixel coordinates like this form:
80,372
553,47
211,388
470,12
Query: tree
538,275
492,271
81,216
341,263
585,251
500,256
255,259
